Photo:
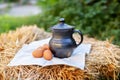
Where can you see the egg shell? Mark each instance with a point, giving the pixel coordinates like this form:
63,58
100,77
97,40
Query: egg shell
38,53
41,48
47,54
46,46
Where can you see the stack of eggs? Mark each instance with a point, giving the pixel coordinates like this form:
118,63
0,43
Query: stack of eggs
43,51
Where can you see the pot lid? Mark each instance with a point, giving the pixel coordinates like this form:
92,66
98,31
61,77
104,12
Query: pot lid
62,25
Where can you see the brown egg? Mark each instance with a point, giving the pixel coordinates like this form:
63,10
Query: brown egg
38,53
41,48
47,54
46,46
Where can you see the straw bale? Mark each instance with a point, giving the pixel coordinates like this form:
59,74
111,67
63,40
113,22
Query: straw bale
104,60
102,63
12,41
1,76
34,72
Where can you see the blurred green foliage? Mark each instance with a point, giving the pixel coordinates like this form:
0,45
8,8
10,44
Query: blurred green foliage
96,18
8,22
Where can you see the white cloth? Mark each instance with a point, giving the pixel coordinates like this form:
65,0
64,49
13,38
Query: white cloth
24,56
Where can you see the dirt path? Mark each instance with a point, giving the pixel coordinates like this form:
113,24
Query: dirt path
18,9
26,10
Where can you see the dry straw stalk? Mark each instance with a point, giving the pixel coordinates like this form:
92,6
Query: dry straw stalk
102,63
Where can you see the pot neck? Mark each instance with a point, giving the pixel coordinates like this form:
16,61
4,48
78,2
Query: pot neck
62,33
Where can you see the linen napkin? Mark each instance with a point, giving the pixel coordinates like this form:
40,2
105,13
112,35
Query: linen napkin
24,56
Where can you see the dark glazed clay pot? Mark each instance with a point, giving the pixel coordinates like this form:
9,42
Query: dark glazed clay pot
62,42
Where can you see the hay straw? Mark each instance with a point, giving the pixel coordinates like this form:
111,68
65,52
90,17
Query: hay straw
12,41
102,62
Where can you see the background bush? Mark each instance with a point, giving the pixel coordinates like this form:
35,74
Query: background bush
97,18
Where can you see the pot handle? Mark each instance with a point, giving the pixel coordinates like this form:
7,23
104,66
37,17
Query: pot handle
81,35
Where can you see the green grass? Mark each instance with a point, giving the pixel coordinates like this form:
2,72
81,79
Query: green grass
10,23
